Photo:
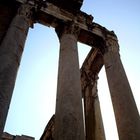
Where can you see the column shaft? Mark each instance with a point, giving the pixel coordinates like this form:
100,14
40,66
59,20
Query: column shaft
10,54
69,113
126,113
93,118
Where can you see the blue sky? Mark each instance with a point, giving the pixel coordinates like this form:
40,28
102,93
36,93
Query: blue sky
33,101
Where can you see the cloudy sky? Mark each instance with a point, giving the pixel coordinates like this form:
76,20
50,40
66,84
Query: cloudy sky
33,101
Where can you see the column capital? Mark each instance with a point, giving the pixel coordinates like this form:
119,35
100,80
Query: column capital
26,11
111,43
68,28
90,79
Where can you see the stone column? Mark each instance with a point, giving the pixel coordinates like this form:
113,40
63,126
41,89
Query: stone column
126,113
69,114
10,54
93,118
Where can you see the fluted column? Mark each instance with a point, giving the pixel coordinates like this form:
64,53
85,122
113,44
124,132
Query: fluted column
10,54
93,118
69,113
126,113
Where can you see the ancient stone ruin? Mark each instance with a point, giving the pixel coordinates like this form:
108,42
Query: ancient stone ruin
7,136
71,25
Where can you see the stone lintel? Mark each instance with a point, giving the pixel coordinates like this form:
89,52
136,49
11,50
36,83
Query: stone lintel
69,5
51,15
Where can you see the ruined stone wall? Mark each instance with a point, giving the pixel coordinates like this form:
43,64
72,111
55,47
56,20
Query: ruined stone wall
7,136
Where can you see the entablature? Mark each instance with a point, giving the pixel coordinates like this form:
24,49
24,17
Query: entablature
52,15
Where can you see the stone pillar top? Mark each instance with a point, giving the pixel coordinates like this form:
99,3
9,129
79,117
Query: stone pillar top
68,28
26,10
90,80
111,44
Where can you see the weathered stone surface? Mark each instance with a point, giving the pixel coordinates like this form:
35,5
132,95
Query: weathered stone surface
93,120
69,114
126,113
7,136
69,120
49,130
10,54
99,128
69,5
51,14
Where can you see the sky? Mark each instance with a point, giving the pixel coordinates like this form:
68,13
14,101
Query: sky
33,101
